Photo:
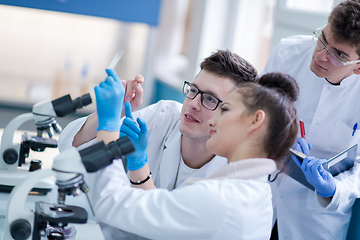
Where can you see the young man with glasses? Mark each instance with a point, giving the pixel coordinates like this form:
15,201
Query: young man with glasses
177,132
327,67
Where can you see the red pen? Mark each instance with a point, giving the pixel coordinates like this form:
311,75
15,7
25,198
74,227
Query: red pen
302,129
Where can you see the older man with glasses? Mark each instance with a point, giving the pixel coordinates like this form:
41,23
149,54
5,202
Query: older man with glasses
327,67
177,132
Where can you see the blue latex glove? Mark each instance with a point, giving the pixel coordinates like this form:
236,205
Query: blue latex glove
138,134
317,176
109,101
302,146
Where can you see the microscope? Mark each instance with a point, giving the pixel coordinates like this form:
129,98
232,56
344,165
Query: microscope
12,155
68,168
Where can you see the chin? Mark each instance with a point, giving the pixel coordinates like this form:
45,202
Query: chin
317,72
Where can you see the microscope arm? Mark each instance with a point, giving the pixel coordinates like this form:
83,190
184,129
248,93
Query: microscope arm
18,218
8,147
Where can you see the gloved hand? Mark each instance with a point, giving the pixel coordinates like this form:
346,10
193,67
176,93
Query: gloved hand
317,176
301,146
109,100
138,135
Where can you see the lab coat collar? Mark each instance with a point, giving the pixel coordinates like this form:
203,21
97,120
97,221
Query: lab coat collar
352,79
252,168
246,168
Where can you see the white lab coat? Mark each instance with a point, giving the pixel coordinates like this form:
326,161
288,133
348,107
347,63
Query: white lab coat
163,120
329,113
234,203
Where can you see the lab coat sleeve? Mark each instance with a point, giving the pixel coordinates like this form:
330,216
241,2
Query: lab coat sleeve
347,190
67,135
158,213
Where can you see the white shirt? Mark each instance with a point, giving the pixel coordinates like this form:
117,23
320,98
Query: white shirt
234,203
163,121
329,113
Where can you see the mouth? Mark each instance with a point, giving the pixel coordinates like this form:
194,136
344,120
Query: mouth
190,118
318,66
212,132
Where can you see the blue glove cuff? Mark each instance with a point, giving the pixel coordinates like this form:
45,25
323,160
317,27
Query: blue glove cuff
137,163
109,125
327,194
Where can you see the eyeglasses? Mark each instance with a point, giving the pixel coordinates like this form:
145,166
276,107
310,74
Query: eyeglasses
334,58
207,100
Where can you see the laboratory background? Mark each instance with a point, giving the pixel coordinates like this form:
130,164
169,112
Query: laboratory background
56,47
46,54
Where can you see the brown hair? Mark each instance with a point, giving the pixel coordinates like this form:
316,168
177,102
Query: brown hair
345,23
276,94
224,63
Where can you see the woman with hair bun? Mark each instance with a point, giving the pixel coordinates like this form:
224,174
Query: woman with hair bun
255,128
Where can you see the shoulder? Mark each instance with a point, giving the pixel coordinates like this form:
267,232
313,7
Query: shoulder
163,106
289,51
294,45
164,114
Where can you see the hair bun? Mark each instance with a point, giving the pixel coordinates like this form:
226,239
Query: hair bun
282,83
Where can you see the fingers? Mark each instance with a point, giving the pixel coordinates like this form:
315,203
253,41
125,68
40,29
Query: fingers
313,166
142,125
134,91
138,97
139,78
304,146
113,74
128,110
130,128
128,131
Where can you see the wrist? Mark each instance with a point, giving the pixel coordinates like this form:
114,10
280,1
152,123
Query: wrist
137,162
110,125
139,182
327,194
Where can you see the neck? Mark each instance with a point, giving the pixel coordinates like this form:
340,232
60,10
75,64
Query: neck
194,152
247,150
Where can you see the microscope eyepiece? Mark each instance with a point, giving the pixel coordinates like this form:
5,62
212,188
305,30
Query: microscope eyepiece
64,105
82,101
100,155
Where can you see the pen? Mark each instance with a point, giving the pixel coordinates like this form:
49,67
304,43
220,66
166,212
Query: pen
354,129
302,129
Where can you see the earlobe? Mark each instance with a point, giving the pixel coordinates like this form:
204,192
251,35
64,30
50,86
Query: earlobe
357,71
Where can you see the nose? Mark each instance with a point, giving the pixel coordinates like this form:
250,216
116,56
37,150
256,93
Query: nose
323,55
212,121
196,102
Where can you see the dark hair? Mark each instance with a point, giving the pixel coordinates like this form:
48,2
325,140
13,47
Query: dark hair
345,23
274,93
224,63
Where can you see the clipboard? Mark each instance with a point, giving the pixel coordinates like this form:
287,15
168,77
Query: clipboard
342,161
335,165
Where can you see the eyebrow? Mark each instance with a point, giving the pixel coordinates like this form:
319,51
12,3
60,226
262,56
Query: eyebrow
337,50
210,92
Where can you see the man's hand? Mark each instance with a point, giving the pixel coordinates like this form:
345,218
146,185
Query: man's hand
133,92
317,176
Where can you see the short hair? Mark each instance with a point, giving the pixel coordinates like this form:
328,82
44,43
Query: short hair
345,23
276,94
224,63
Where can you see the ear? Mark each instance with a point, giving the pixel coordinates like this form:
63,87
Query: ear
258,120
357,70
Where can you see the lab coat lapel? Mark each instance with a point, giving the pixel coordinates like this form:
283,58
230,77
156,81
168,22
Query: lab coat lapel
170,160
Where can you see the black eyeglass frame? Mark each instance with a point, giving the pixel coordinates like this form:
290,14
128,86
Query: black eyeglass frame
186,83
